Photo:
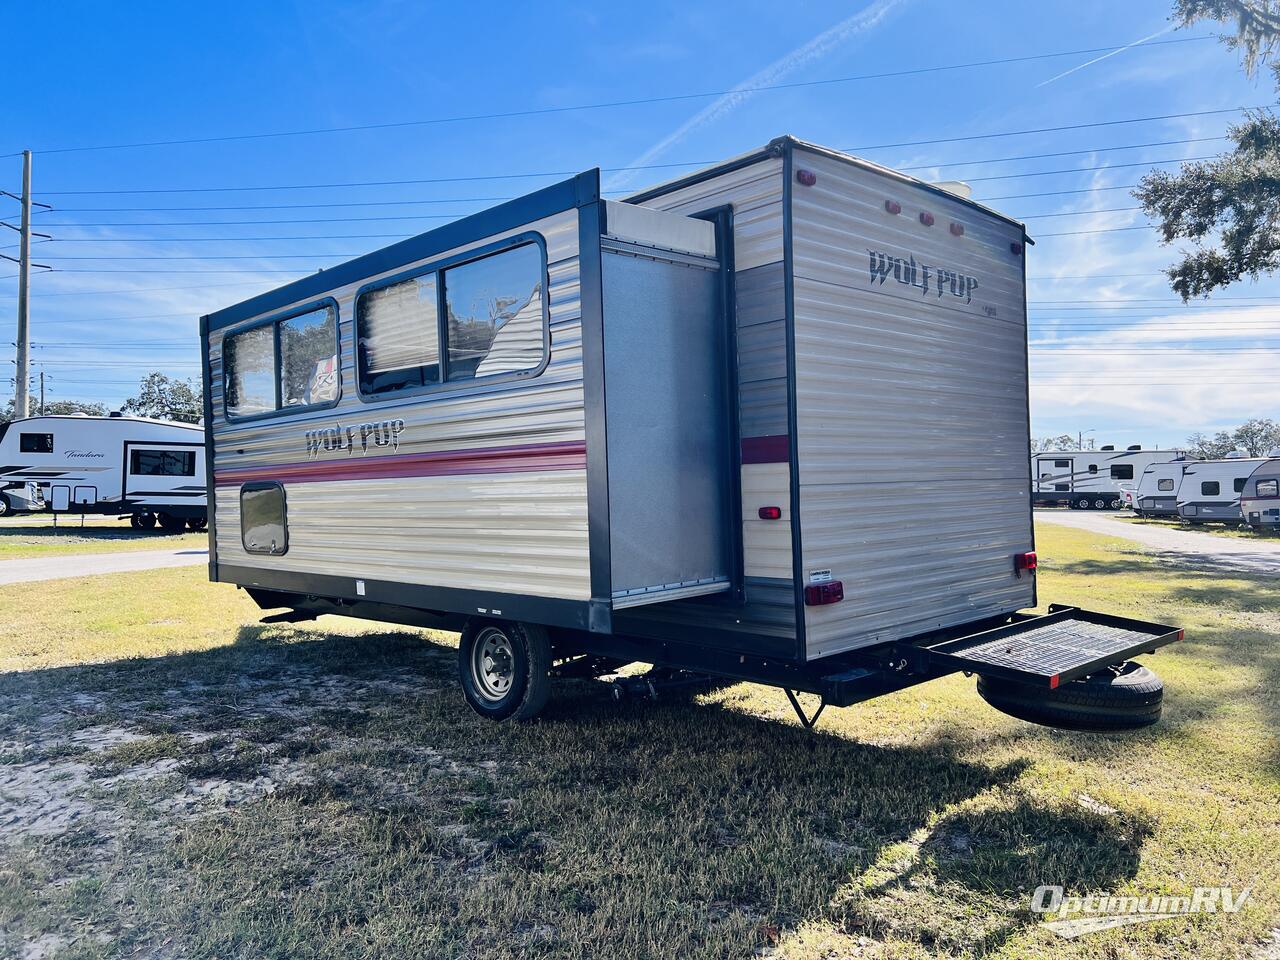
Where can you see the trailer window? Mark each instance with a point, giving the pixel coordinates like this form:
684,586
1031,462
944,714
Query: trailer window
1122,471
35,443
162,463
309,358
249,359
1268,488
1093,468
1062,486
494,310
1237,485
398,332
1164,485
1210,488
1062,463
263,527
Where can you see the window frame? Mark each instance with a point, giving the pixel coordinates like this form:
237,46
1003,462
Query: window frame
1257,488
1215,492
1160,484
259,486
135,452
22,436
274,320
1238,484
1121,476
438,267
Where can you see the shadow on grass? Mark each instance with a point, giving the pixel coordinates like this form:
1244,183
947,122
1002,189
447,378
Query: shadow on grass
601,823
72,528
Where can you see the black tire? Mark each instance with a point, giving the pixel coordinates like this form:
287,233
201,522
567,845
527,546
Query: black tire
143,521
6,508
1116,504
1100,503
514,685
197,523
170,523
1076,504
1125,697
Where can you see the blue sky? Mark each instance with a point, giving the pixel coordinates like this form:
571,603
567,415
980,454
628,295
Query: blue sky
1147,370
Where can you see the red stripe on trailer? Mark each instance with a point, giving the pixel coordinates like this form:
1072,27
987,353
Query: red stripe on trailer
524,458
774,449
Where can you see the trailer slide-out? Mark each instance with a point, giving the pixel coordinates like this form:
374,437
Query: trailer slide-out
669,430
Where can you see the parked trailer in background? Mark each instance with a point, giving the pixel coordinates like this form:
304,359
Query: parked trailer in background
1090,479
1156,494
669,430
1260,498
1210,490
148,470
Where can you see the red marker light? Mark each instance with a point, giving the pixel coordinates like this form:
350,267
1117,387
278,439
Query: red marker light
770,513
893,206
821,594
926,218
1025,561
957,229
806,178
1015,249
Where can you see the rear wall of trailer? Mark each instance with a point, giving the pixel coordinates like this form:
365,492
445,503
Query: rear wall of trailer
911,404
481,486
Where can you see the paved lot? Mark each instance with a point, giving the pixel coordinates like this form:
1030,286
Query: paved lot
87,565
1258,557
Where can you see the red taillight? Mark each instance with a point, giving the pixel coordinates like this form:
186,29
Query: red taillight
820,594
893,206
957,229
770,513
926,218
1024,561
806,177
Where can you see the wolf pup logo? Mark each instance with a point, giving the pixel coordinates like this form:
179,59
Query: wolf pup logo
908,272
336,439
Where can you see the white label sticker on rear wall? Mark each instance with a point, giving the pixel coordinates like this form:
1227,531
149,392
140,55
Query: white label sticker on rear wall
819,576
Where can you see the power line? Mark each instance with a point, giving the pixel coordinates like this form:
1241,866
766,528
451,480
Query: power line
671,98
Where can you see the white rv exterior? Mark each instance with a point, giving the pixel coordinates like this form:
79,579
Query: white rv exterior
1260,498
1156,494
1210,490
625,469
1091,479
117,465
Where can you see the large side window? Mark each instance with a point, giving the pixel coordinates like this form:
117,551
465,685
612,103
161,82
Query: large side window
1122,471
35,443
1210,488
309,359
398,330
494,308
1062,463
1268,488
288,363
249,359
1164,485
162,463
1237,485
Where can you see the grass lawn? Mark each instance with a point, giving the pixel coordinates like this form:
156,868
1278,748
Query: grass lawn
177,780
36,536
1217,529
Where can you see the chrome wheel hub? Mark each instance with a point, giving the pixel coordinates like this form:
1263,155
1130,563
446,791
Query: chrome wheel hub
493,664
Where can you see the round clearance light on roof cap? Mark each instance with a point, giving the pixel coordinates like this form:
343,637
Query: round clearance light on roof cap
806,177
926,218
893,206
957,229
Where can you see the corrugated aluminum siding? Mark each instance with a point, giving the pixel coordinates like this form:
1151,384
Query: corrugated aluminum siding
755,193
911,410
517,533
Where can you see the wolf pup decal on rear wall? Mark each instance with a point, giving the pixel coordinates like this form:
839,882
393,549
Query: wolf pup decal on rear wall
907,271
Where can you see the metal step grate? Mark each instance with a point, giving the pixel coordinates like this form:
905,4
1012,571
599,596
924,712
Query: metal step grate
1054,648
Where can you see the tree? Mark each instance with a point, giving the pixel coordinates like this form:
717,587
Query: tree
1210,448
57,408
1257,436
1064,442
167,398
1229,206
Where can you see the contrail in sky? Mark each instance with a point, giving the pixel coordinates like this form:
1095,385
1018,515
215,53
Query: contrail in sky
866,19
1066,73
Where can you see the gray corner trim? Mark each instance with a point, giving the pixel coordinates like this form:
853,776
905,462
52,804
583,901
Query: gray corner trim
788,285
594,412
206,378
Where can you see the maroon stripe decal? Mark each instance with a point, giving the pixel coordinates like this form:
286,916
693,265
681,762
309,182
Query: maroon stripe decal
524,458
775,449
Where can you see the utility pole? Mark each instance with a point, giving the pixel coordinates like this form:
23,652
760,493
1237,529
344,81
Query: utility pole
42,393
21,404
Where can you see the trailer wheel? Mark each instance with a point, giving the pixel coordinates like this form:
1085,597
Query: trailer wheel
5,507
171,524
1123,697
142,521
1100,504
1116,504
1076,504
505,668
197,523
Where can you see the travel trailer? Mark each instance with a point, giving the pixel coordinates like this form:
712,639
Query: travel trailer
149,470
1090,479
670,430
1260,498
1210,490
1156,494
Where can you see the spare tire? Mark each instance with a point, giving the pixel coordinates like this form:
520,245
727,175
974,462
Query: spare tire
1124,697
